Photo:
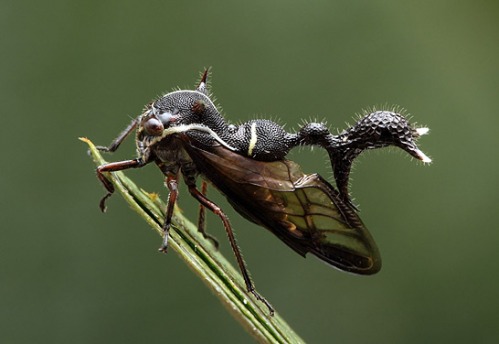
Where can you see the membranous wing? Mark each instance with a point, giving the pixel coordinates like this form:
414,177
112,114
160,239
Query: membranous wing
303,210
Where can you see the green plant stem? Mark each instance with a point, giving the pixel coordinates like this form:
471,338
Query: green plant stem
208,264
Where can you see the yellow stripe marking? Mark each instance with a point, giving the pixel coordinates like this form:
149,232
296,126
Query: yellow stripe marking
253,138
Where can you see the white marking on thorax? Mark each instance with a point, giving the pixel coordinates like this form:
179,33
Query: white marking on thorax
186,127
253,139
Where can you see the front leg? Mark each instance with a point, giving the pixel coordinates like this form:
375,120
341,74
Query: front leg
113,167
121,137
172,185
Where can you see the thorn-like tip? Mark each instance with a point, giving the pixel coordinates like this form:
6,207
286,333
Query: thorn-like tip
422,131
202,83
205,76
422,156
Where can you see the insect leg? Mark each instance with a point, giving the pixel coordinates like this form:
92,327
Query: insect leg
235,248
202,218
112,167
121,137
172,185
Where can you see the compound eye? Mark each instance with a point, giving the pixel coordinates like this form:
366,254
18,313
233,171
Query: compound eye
153,127
166,118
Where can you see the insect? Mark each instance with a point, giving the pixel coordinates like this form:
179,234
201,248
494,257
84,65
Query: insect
185,135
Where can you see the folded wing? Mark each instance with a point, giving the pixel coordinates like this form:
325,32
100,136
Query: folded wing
304,211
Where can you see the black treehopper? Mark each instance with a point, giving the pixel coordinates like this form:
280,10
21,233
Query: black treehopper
183,133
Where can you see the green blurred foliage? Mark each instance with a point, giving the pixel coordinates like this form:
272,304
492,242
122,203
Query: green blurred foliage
69,69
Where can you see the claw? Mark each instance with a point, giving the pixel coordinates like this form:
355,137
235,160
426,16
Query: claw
164,245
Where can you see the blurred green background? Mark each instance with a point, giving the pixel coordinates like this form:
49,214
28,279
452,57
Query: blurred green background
69,69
